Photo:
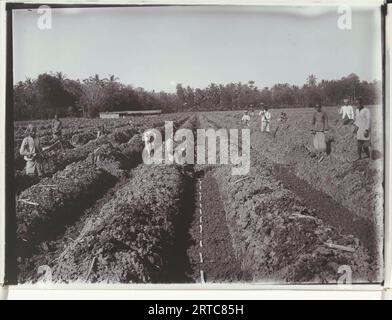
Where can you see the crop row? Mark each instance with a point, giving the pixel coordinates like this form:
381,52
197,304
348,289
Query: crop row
131,238
278,238
78,134
51,198
356,185
71,125
57,160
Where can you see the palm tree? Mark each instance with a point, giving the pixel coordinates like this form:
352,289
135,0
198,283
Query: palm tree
95,78
311,80
28,81
61,76
113,78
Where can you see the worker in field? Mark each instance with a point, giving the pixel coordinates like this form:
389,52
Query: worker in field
251,111
265,119
101,131
57,128
282,121
362,129
320,125
32,152
246,119
347,112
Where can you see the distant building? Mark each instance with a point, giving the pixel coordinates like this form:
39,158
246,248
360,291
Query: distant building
123,114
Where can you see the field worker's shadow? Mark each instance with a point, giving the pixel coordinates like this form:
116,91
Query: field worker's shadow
329,145
375,155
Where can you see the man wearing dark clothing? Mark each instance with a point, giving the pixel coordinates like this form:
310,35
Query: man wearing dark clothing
57,128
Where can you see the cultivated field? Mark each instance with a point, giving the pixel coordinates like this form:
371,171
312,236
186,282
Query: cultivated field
291,219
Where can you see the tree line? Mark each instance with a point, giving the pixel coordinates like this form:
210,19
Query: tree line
54,93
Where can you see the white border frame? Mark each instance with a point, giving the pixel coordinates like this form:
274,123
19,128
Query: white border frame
2,140
206,291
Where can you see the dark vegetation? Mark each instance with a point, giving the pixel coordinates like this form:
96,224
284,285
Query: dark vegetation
54,93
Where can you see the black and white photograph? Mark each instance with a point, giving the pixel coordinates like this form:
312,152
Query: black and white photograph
195,144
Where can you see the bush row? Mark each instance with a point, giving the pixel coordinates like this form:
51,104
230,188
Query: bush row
70,190
131,238
278,238
57,199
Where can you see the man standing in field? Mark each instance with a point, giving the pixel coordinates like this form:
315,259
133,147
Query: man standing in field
362,129
101,131
31,151
57,128
265,119
246,118
281,122
347,112
251,110
320,125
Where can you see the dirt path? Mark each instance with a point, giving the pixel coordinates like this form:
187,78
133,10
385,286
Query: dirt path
211,254
182,267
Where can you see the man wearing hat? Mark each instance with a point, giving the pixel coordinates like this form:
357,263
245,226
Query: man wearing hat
347,112
31,151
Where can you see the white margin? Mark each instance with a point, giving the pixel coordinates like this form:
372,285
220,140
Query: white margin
388,173
2,145
197,292
212,2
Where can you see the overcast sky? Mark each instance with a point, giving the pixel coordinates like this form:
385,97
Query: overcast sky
158,47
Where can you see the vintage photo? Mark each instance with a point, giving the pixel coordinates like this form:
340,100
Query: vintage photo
196,144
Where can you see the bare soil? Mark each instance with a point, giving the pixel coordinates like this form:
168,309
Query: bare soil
329,210
194,224
220,262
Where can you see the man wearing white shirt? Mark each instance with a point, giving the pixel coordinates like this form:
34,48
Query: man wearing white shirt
246,118
32,152
362,129
347,112
265,119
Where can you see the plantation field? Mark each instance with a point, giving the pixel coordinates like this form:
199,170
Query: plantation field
101,215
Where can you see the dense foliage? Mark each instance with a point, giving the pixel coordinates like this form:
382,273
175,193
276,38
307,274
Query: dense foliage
53,93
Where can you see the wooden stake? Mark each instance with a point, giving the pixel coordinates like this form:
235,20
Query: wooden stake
202,276
91,268
29,202
47,185
242,179
337,246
